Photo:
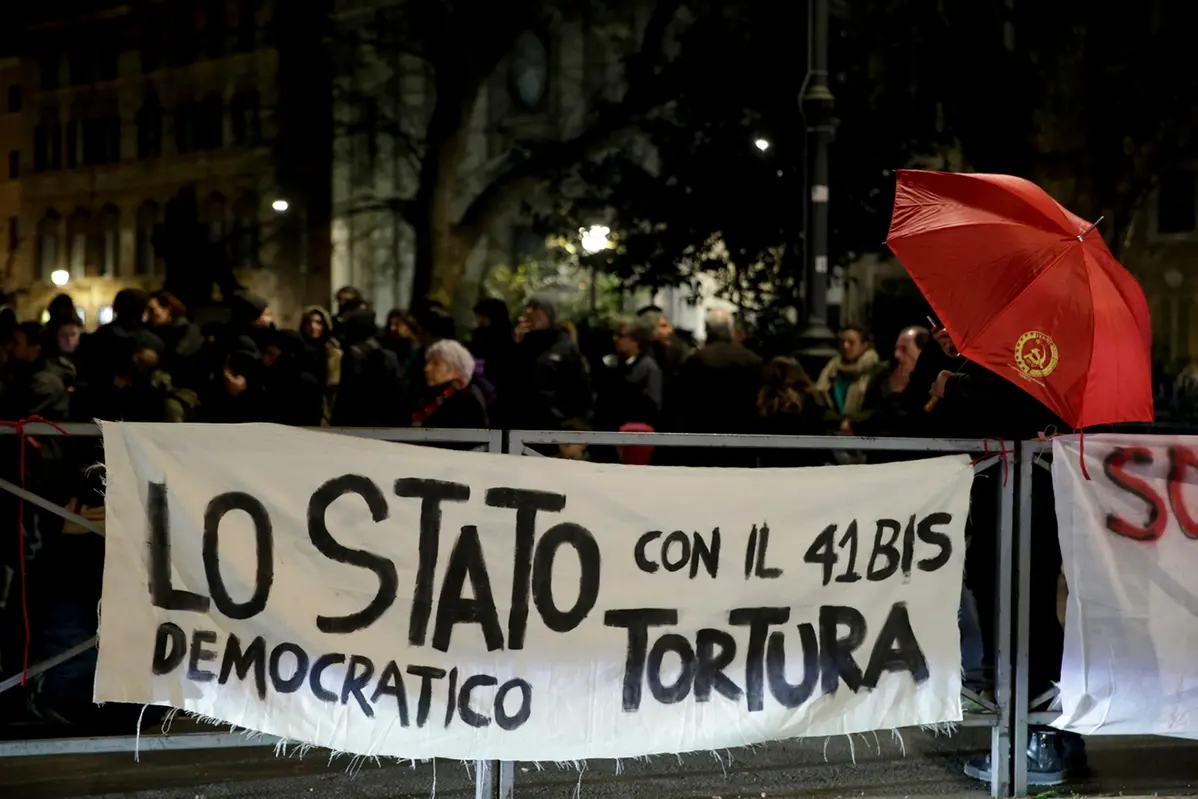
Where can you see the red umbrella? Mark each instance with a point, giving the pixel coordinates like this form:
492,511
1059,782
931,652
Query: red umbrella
1029,291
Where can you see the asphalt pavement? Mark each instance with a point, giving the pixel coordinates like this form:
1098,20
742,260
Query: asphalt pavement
920,765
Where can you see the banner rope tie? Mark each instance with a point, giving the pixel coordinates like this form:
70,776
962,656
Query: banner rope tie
1081,453
22,439
1002,451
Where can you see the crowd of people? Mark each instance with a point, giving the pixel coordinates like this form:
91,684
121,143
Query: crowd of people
153,363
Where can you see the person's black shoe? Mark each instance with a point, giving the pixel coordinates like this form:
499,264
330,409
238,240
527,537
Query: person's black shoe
1053,758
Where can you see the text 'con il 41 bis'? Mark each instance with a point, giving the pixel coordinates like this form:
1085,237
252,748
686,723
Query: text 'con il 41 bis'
674,664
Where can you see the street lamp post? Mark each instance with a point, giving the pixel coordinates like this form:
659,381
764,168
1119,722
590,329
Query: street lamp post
818,102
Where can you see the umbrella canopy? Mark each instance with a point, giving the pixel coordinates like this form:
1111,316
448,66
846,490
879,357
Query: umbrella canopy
1029,291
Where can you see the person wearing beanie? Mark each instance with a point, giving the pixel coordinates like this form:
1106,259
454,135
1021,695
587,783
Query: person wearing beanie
252,319
250,310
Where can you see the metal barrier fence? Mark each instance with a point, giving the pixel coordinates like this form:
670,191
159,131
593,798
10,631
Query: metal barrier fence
1008,716
485,783
999,715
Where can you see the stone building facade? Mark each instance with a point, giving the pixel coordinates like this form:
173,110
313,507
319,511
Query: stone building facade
118,111
542,90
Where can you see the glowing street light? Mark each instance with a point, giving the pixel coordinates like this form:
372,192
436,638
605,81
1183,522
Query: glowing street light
280,206
60,277
595,238
762,144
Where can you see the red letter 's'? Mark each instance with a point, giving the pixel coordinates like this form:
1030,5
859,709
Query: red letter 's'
1115,468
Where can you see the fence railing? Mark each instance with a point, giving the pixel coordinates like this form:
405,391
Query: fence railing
1008,716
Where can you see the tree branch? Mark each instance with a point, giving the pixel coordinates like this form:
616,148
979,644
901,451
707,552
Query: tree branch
525,174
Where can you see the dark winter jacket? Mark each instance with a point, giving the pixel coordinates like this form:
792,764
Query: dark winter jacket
549,382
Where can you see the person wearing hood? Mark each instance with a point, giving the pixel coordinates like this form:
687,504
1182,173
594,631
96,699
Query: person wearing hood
371,391
321,355
549,382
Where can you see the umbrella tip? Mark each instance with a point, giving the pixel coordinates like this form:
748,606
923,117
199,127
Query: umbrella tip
1084,233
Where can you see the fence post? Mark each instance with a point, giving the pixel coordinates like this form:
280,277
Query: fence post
496,779
1019,727
1000,738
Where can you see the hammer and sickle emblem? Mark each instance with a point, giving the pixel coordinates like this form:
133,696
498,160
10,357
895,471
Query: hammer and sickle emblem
1036,354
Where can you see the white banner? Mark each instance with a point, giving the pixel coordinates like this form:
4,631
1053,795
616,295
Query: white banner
394,600
1130,554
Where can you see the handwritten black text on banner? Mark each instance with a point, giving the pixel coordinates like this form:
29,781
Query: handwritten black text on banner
492,601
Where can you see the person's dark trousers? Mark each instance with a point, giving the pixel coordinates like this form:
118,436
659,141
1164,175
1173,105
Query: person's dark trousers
981,556
1045,634
1053,756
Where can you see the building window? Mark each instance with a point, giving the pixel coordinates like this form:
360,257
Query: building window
73,144
246,233
14,164
78,264
185,127
82,63
47,245
55,149
247,26
216,31
151,56
149,128
50,68
147,219
47,254
78,237
528,77
215,214
41,141
108,67
109,241
1177,202
112,139
109,249
47,142
245,110
185,44
14,99
101,141
210,123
